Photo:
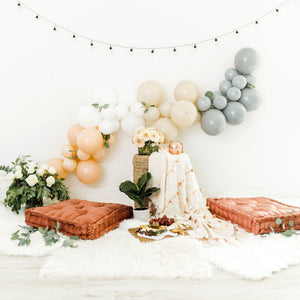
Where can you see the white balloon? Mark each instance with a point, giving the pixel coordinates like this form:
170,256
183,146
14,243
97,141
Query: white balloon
165,109
138,109
105,95
108,113
168,128
106,127
127,98
116,125
152,114
121,110
131,123
88,116
183,113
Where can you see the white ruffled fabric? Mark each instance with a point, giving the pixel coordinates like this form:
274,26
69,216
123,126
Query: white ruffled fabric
180,196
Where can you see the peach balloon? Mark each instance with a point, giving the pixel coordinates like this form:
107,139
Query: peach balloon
57,164
83,156
88,171
186,90
68,151
150,92
69,165
73,134
111,140
99,155
90,140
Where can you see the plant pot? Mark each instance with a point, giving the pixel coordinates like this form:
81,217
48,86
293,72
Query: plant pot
141,214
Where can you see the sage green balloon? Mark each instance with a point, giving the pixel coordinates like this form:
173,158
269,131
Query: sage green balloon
234,94
239,81
250,99
213,122
231,73
235,113
251,79
246,60
220,102
216,93
224,86
203,103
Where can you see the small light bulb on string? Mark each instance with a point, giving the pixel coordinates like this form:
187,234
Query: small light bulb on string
37,16
256,22
19,4
216,39
54,28
195,46
131,50
92,44
152,51
174,49
277,10
110,47
237,32
74,36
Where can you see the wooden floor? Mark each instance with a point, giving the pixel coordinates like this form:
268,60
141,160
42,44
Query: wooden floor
19,279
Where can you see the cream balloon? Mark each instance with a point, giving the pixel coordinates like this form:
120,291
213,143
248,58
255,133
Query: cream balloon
183,113
68,151
152,114
198,119
165,109
88,171
186,90
83,156
69,165
57,164
131,123
150,92
99,154
73,134
90,140
168,128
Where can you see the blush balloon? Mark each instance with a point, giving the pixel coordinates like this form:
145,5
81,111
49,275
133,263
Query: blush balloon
99,155
73,134
90,140
88,172
68,151
57,164
83,156
69,165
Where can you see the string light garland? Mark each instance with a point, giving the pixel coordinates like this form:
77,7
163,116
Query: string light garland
132,48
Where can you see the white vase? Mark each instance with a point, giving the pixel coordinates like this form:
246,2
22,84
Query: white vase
141,214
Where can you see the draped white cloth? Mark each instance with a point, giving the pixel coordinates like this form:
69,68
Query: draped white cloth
180,196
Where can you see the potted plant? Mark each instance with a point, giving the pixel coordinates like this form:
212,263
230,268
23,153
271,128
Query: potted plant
139,193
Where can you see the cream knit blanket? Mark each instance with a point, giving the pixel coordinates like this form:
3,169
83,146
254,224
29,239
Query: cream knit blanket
180,196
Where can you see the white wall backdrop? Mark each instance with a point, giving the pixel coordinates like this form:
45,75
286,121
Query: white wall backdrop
45,76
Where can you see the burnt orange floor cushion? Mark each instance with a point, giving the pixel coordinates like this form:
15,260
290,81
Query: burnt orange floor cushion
255,214
85,219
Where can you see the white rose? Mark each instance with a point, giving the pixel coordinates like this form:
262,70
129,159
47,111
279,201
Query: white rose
51,170
45,167
31,180
19,174
50,181
40,172
18,168
10,176
31,167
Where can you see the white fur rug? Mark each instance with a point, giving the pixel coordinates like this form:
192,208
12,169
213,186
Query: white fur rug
118,255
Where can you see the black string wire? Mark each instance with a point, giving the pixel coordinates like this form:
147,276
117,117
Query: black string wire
152,49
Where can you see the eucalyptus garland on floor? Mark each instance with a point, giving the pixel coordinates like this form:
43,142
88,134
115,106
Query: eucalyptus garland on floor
31,184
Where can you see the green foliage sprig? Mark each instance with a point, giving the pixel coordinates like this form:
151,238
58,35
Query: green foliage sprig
6,169
146,106
31,184
281,222
100,107
50,237
106,138
137,191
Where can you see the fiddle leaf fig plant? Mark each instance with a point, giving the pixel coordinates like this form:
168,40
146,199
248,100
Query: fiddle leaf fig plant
138,191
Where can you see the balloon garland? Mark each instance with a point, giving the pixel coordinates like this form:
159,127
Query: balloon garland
92,136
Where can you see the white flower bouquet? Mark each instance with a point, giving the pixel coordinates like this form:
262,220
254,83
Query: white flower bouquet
147,140
31,184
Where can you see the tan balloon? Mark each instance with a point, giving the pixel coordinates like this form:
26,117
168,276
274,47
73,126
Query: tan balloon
73,134
150,92
99,155
152,114
165,109
83,156
186,90
70,165
68,151
57,164
88,171
90,140
168,128
183,113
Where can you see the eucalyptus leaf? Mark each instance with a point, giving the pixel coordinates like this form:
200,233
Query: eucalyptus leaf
278,221
291,223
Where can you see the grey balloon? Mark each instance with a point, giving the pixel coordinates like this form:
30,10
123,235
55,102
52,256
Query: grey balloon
239,81
224,86
231,73
235,113
220,102
246,60
203,103
251,79
250,99
216,93
213,122
234,94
